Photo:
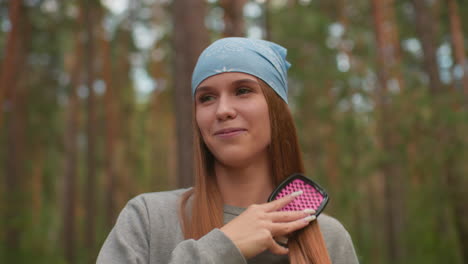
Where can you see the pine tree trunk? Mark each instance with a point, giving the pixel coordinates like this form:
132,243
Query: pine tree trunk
189,27
16,205
110,105
457,42
121,86
90,185
389,79
234,25
426,29
11,64
388,50
71,149
161,121
456,182
12,105
70,181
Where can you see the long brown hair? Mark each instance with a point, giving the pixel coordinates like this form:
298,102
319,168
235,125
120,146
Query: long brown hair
306,245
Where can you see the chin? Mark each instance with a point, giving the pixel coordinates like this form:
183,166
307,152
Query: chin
233,162
237,158
238,154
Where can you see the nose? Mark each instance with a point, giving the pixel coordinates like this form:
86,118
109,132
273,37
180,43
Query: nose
225,109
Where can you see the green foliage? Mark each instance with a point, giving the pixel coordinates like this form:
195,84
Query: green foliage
338,120
333,103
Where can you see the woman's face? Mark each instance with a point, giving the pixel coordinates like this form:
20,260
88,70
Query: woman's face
232,114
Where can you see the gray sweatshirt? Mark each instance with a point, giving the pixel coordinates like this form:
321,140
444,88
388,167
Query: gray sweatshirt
148,231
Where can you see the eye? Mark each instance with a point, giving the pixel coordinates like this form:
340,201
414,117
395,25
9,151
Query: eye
243,90
205,98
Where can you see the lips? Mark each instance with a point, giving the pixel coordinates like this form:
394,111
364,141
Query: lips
229,131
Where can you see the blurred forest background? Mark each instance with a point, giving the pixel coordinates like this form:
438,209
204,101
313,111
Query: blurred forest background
95,109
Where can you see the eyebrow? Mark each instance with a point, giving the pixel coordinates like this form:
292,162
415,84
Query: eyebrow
236,82
245,81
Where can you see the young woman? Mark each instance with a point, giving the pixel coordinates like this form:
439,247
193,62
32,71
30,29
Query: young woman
245,145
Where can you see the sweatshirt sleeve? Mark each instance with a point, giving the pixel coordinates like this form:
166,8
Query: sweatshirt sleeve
214,247
129,243
345,253
339,243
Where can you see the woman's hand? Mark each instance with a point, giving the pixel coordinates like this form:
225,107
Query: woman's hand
254,230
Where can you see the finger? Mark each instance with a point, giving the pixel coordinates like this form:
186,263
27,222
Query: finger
275,248
288,216
282,229
282,202
282,240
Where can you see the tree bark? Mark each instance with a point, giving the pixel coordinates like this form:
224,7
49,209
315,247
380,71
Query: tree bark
426,29
389,76
161,122
16,204
12,105
388,50
457,42
110,105
122,88
11,64
189,28
70,186
455,178
71,148
89,192
234,25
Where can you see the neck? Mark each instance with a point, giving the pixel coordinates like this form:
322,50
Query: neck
241,187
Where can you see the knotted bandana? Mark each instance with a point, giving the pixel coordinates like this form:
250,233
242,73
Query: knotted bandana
263,59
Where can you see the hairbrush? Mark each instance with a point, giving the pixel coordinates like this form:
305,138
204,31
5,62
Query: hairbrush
313,197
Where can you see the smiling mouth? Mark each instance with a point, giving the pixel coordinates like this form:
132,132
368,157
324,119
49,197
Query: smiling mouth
229,132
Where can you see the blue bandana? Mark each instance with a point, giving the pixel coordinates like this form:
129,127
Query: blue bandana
263,59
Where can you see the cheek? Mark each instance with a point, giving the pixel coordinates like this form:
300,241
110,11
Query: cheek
202,121
260,119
